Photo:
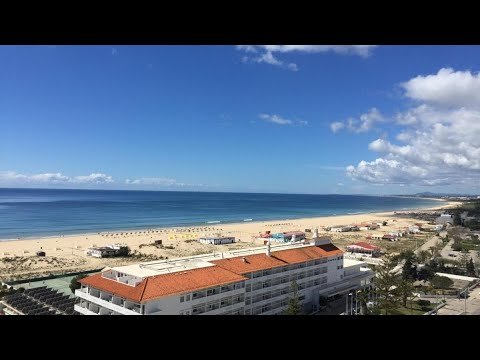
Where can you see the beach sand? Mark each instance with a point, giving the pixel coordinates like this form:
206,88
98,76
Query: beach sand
67,253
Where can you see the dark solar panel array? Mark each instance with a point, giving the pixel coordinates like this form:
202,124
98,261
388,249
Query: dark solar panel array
41,301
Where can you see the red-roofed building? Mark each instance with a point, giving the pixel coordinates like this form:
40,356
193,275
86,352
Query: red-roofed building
250,281
364,248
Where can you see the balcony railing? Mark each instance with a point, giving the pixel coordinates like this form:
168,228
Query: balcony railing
107,304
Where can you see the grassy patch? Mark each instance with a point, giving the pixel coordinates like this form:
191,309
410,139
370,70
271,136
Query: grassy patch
415,309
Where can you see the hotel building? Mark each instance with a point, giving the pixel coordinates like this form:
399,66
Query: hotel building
243,282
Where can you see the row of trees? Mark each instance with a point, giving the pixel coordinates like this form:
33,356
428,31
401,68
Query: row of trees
395,289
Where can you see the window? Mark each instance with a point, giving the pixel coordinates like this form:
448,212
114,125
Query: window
182,299
301,297
188,297
212,292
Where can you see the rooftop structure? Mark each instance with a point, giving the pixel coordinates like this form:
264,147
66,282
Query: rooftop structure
364,248
250,281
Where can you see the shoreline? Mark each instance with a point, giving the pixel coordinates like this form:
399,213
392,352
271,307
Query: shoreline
63,254
449,204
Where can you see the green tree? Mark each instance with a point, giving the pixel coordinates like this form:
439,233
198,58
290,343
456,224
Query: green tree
405,291
74,284
386,281
471,268
423,256
384,223
457,245
441,282
457,220
464,259
294,307
409,270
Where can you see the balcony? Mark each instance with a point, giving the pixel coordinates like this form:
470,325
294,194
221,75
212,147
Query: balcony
107,304
83,310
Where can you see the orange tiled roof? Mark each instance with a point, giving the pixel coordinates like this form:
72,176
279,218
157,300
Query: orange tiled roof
252,263
226,271
279,258
186,281
166,284
117,288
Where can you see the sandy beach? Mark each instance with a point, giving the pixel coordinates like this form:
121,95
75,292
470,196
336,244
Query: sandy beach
67,253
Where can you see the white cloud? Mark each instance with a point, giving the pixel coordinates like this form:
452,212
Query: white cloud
365,123
441,138
337,126
160,182
340,184
13,178
446,88
266,53
53,178
154,181
114,52
95,178
276,119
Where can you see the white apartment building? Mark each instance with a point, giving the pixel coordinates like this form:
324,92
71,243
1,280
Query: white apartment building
212,240
243,282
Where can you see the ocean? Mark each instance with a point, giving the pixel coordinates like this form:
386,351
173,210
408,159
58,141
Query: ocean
47,212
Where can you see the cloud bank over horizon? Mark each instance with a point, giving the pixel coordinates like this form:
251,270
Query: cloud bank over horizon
439,142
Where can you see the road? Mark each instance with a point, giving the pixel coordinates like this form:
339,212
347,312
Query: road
457,306
447,250
432,242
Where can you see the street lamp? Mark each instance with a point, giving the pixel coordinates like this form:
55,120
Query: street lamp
351,303
346,304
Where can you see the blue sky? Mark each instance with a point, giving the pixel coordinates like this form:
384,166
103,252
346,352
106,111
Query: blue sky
296,119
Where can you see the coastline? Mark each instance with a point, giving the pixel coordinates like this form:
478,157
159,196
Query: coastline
449,204
67,253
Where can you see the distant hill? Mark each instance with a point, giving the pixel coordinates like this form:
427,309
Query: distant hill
431,194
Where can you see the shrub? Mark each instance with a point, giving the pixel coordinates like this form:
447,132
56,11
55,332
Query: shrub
124,251
74,284
423,303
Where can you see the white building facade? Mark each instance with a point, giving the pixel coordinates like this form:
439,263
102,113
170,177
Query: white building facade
217,240
245,282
